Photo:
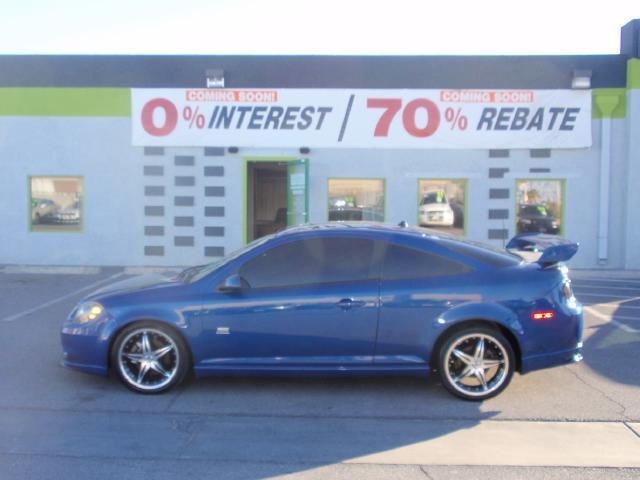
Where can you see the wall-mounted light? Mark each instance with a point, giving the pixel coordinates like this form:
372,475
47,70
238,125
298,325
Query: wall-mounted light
232,149
215,78
304,150
581,79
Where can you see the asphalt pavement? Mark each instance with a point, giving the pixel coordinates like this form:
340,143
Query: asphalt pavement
576,421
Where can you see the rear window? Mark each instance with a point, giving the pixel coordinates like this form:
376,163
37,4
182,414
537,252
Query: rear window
407,263
482,253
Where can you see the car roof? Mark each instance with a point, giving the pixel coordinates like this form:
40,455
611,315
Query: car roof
469,249
365,227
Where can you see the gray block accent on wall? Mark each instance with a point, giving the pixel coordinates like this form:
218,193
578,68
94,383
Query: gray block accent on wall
499,153
214,171
154,231
183,201
214,191
154,250
154,170
540,153
498,214
154,151
183,241
497,172
214,211
498,193
185,181
539,170
184,161
154,211
154,191
214,251
498,234
214,231
183,221
213,151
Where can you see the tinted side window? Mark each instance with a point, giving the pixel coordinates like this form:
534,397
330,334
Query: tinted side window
317,260
406,263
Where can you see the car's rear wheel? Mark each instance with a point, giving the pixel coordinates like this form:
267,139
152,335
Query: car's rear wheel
150,357
476,363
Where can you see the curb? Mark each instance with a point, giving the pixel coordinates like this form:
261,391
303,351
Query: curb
51,270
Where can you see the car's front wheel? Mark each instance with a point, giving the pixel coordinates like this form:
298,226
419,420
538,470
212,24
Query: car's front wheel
150,357
476,363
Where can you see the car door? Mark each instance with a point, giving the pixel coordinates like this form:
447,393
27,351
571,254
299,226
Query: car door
416,286
307,303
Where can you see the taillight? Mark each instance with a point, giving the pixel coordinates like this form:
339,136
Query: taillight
542,315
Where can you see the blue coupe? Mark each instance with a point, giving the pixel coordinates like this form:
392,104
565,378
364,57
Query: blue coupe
341,299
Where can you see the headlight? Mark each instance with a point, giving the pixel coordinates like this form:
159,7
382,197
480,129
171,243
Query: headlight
87,312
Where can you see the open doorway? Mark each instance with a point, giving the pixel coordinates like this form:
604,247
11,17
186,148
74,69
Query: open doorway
266,198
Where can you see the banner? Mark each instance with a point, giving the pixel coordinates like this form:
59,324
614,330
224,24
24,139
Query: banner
337,118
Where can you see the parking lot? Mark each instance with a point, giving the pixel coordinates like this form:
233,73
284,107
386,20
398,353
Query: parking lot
577,421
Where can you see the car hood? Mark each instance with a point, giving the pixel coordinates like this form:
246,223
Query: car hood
69,210
142,282
436,207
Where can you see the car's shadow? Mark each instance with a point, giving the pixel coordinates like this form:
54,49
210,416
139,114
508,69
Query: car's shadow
609,350
277,425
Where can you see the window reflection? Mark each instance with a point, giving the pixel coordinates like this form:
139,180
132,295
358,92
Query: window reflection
56,204
356,199
539,206
442,205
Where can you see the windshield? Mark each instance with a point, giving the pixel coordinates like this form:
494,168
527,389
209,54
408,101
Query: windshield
434,197
535,211
193,274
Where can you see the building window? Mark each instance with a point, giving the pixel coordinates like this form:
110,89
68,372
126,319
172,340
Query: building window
442,205
540,206
356,199
56,204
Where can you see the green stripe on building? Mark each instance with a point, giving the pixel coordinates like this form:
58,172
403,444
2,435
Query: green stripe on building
116,102
633,73
609,103
65,102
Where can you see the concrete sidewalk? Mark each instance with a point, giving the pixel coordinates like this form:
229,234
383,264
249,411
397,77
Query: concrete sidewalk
524,443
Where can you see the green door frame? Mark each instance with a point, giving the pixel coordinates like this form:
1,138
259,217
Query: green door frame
245,163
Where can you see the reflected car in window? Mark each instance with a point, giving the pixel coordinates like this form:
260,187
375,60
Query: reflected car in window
537,218
67,215
435,211
42,210
337,299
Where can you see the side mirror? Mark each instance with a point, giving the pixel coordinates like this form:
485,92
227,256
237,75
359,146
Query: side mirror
233,284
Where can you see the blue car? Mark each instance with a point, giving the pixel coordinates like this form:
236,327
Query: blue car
337,299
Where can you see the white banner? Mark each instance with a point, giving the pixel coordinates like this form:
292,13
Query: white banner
484,119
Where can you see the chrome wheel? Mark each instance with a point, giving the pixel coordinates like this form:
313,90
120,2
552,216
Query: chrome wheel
148,359
476,365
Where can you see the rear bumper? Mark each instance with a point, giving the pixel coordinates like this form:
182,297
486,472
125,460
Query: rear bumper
553,359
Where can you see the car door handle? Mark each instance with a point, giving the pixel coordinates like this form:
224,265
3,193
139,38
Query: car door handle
349,303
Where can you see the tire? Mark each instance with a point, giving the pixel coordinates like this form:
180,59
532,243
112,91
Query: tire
149,357
476,363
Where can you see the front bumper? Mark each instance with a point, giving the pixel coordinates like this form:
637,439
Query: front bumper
83,350
437,221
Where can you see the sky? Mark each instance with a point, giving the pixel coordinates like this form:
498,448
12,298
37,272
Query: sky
331,27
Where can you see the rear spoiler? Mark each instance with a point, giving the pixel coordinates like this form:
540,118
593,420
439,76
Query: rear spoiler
554,249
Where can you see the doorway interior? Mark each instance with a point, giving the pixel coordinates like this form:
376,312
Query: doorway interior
266,198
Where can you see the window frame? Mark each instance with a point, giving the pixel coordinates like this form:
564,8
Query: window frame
563,195
57,228
465,187
384,194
